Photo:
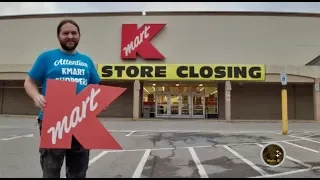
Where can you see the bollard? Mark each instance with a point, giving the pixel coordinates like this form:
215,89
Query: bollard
284,104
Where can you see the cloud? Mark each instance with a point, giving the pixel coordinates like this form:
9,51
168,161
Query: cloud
176,6
234,6
14,8
18,8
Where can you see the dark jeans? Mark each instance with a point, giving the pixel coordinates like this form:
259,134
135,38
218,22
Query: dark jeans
77,160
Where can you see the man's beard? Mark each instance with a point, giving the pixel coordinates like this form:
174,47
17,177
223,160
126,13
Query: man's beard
68,48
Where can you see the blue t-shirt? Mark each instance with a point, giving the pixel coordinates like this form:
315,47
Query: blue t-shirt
56,64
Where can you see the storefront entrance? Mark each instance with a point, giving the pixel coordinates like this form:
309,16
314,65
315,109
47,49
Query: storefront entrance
184,105
180,101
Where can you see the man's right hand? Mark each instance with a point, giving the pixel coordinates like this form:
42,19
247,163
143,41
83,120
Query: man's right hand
39,101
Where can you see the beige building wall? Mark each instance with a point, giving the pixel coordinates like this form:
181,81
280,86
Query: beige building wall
257,101
214,38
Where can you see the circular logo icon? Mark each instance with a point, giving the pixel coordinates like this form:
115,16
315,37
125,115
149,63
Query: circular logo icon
273,155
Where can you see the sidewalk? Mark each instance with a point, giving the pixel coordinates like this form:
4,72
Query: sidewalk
28,117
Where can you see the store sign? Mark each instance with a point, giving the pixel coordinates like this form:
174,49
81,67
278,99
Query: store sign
138,41
182,72
69,114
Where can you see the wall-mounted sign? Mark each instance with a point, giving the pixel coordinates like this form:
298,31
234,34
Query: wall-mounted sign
316,87
138,41
283,78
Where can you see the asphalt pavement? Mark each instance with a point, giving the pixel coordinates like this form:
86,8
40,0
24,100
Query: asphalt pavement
177,149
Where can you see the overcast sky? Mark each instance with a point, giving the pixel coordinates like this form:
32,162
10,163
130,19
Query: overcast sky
14,8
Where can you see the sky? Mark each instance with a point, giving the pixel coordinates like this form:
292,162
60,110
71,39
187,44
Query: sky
17,8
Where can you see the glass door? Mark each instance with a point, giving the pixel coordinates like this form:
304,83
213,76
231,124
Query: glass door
198,105
174,104
185,107
162,102
179,105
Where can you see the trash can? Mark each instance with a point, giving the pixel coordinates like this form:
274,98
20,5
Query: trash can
146,112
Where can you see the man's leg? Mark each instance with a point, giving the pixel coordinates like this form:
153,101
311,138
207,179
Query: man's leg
51,160
77,160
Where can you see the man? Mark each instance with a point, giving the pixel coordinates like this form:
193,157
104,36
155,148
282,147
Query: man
67,64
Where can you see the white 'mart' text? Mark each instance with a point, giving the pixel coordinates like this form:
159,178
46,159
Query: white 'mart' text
137,41
76,116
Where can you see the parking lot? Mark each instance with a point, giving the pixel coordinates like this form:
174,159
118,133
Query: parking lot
174,149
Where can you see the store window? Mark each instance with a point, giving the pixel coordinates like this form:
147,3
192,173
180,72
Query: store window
211,103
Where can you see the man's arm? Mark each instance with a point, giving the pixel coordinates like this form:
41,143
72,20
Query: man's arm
31,88
37,73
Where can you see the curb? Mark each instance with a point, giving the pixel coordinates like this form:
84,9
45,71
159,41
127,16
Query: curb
225,121
176,120
14,115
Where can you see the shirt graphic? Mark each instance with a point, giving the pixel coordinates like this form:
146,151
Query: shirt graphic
55,64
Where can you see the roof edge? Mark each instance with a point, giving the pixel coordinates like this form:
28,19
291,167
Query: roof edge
231,13
76,14
160,13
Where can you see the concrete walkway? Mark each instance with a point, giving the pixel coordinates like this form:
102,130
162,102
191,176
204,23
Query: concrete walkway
32,117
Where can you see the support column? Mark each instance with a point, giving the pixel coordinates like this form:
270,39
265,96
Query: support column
136,100
227,100
316,99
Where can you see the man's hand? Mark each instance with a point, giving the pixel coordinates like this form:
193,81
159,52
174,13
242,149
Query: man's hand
39,101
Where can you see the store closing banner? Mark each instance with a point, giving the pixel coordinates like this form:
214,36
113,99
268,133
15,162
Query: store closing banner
182,72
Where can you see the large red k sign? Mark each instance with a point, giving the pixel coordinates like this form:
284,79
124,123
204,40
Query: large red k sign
137,41
69,114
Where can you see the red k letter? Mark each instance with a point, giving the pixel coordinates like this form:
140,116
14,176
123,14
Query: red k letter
67,114
138,41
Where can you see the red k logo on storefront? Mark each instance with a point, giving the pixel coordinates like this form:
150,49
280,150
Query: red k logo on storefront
69,114
137,41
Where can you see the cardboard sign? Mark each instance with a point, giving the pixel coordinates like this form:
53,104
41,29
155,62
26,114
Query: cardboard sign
68,114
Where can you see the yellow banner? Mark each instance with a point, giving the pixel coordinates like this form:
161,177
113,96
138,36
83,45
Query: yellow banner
217,72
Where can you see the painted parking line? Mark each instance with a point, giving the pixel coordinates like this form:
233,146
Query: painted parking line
201,170
117,165
304,151
176,163
300,133
17,137
299,162
139,169
96,158
288,172
262,172
302,147
306,138
129,134
191,131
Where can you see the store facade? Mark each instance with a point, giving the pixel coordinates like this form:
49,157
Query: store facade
180,91
187,65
